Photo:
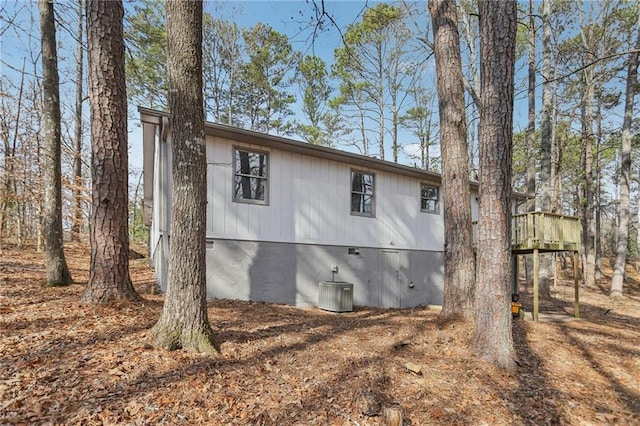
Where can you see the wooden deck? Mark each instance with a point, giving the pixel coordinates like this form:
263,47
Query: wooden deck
542,231
539,232
546,232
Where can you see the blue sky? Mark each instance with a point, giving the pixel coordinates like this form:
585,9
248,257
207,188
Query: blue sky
293,18
288,17
296,19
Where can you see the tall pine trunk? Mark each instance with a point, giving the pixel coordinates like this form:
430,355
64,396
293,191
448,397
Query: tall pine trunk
57,271
109,270
458,254
531,113
546,132
531,126
493,340
76,228
598,193
625,172
557,142
184,322
587,201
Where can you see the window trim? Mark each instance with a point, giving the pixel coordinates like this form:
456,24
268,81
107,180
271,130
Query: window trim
267,179
373,195
436,210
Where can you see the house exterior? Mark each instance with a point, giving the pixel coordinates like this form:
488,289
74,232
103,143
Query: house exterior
284,215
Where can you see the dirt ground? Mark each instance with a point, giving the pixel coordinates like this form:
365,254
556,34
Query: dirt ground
63,362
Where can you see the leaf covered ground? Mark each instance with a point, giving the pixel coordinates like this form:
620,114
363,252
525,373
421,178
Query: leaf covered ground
64,362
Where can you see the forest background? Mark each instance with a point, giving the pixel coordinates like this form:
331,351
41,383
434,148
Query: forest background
372,96
362,80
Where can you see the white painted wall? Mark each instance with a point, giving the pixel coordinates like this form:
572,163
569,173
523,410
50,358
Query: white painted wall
309,203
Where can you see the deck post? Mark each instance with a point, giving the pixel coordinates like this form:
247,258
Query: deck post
536,267
576,303
514,278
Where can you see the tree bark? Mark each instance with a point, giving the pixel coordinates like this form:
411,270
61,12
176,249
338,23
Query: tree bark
458,253
557,142
184,322
625,173
8,190
531,127
598,193
531,113
57,271
76,227
545,142
493,340
473,83
545,128
587,210
109,270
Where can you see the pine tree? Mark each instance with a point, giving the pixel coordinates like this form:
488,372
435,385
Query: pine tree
109,270
493,340
458,254
57,270
184,322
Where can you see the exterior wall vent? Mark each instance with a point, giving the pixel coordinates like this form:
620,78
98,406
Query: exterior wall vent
335,296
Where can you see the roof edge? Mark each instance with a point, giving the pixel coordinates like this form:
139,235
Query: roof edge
279,142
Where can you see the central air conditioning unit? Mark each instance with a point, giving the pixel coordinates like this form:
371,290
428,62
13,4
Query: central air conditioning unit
335,296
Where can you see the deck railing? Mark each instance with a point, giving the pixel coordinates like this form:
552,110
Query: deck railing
543,231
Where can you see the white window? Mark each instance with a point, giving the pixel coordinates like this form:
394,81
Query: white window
251,176
429,198
362,193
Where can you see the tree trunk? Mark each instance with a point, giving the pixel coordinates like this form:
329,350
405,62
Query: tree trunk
531,115
184,322
76,227
556,146
588,223
638,225
363,133
545,128
625,173
531,127
57,271
109,270
8,190
545,142
381,129
394,132
598,193
426,145
472,85
458,254
493,340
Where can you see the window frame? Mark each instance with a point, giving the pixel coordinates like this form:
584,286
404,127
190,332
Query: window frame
373,194
436,209
266,178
